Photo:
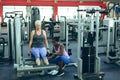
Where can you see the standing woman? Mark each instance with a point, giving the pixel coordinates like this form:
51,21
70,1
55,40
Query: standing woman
38,41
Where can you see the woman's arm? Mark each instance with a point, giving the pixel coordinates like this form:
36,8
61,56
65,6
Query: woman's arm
45,39
57,54
31,40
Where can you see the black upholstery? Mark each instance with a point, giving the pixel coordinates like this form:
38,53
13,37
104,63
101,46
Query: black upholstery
2,46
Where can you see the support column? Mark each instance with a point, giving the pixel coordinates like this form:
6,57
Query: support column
55,13
103,7
1,11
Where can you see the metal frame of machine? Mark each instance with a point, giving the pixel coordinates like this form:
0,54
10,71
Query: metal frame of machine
97,72
19,65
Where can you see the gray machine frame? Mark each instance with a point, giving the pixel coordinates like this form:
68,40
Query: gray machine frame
112,26
80,43
67,43
19,65
112,23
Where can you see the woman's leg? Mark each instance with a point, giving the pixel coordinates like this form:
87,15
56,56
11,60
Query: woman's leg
65,59
37,62
35,52
61,61
60,64
43,53
46,62
54,60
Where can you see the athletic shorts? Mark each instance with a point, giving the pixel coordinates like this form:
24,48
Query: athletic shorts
39,53
57,59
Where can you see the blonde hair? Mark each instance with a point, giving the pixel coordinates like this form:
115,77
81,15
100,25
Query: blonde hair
37,22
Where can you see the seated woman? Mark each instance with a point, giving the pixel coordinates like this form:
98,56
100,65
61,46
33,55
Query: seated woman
38,40
59,56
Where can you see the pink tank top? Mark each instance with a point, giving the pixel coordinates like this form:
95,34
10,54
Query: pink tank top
64,53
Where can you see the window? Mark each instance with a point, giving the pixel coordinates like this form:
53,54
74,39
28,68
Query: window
14,8
69,12
46,11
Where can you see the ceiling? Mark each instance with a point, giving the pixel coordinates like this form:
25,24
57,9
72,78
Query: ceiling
83,0
91,0
78,0
112,0
67,0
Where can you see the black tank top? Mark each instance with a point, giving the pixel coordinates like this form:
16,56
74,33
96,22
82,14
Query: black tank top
38,40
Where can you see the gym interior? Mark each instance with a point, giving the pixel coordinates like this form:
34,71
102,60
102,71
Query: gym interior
88,29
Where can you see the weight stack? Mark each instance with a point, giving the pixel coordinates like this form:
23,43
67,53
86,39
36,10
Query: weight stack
88,57
2,46
35,15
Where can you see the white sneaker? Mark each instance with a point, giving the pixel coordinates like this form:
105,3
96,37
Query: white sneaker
53,72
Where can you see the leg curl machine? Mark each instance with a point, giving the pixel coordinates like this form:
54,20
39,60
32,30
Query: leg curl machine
20,65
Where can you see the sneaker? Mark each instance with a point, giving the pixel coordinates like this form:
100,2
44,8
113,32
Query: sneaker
60,74
53,72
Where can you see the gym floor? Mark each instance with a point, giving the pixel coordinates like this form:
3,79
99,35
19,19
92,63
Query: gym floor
112,71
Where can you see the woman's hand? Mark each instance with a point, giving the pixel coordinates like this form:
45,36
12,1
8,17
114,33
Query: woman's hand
48,51
52,56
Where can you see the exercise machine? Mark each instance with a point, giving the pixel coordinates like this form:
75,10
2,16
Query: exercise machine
72,28
87,55
21,67
112,55
53,27
35,15
63,25
2,48
7,34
